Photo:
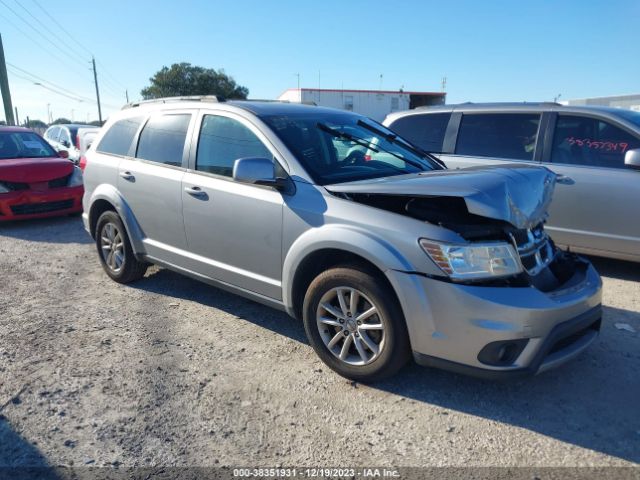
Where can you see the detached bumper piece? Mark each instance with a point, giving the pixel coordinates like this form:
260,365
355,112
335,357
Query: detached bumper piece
565,341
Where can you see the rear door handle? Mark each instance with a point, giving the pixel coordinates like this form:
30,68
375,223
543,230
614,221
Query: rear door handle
196,192
127,176
564,180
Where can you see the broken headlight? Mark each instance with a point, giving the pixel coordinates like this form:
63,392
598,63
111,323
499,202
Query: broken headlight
473,261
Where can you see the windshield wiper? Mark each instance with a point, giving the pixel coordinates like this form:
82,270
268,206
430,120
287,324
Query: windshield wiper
368,144
392,138
347,136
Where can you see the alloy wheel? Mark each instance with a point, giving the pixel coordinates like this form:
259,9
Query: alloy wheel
350,326
112,247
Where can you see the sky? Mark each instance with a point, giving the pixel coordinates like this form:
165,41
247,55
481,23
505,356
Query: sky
488,50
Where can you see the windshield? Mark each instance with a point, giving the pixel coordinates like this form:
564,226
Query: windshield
336,147
629,115
24,145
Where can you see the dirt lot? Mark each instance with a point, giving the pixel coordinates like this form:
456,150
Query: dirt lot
169,371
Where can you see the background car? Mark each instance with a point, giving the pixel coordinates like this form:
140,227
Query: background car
71,137
34,180
596,151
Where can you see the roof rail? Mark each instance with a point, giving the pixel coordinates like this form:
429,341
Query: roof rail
492,104
190,98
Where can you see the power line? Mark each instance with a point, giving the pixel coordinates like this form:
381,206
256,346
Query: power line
71,37
31,38
109,84
54,87
109,75
43,80
77,99
45,26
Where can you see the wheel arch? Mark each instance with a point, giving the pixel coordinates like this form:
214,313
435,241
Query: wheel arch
106,198
316,251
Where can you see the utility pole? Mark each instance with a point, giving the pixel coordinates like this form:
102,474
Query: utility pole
17,119
95,79
4,88
126,94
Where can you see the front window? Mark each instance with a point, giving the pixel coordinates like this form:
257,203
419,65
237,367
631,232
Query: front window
590,142
24,145
335,148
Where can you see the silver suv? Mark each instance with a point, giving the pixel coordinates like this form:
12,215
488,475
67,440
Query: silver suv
329,216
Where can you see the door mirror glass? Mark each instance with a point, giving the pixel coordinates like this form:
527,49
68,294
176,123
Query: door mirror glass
256,171
632,158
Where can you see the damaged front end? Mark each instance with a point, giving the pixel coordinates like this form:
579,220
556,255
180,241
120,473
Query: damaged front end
486,207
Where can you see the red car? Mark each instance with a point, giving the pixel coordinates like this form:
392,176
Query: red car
35,181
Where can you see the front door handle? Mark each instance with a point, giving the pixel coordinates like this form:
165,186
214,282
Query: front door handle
127,176
564,180
196,192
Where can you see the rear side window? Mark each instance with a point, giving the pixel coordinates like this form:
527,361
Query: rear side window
501,135
590,142
118,138
224,140
162,139
426,131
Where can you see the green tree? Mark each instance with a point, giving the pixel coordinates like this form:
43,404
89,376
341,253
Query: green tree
185,79
37,124
60,121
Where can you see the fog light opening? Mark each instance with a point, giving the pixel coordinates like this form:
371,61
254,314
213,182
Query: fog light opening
503,353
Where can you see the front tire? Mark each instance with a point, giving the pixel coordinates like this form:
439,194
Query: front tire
355,324
114,250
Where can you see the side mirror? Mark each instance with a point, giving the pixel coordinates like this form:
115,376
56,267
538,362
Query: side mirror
63,154
632,158
257,171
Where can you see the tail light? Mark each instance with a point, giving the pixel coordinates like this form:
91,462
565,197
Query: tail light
83,163
78,142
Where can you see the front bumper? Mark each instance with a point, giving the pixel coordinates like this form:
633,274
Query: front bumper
449,324
26,204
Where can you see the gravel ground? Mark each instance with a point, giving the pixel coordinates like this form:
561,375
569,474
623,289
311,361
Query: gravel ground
169,371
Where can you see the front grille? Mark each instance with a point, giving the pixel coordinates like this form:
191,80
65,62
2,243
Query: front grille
15,186
534,248
59,182
33,208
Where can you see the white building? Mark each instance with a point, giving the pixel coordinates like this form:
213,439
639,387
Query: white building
376,104
632,102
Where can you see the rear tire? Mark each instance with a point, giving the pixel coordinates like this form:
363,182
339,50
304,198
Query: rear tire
114,250
365,341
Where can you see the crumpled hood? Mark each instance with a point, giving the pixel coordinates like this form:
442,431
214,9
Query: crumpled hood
518,194
32,170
